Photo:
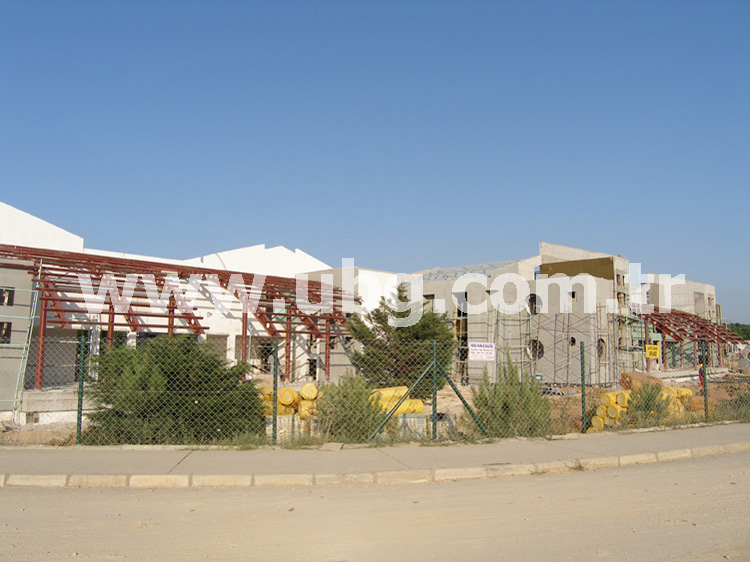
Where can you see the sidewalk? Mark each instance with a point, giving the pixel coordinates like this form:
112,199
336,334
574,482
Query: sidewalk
167,467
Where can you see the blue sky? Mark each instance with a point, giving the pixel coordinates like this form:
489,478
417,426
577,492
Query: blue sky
406,135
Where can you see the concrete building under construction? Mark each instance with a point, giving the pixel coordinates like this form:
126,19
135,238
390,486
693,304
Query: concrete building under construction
577,308
555,314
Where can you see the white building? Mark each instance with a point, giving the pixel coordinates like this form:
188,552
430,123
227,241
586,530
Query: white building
209,296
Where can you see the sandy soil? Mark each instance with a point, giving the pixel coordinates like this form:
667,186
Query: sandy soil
56,435
693,510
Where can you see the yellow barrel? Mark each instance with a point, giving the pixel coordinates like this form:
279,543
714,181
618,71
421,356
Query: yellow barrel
601,411
387,398
288,397
609,398
309,391
668,392
683,392
417,406
622,398
307,408
391,392
609,421
614,411
597,422
281,409
408,406
266,391
675,407
593,430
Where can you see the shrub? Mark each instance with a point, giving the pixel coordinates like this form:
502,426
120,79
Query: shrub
346,412
738,408
512,407
170,391
646,407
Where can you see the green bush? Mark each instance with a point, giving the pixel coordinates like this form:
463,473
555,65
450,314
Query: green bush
512,407
646,407
738,408
345,410
170,391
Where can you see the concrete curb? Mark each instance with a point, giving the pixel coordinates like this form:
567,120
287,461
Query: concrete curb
426,475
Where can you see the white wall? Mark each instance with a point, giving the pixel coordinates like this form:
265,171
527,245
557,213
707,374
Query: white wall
18,228
278,261
692,297
551,253
369,284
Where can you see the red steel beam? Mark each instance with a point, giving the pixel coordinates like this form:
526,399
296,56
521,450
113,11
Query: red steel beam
64,267
243,353
39,379
50,293
328,349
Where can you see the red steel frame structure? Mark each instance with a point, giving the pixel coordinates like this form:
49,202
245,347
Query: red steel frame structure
55,274
683,326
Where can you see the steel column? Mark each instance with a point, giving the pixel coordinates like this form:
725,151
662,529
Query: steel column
583,390
111,324
682,355
288,347
170,321
695,354
244,334
40,345
328,348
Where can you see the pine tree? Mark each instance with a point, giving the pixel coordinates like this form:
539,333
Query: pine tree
397,356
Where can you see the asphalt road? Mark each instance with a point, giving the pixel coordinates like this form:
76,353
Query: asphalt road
695,509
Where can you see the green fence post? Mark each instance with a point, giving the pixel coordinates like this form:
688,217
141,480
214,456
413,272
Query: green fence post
434,390
80,372
704,362
463,401
583,390
275,386
401,400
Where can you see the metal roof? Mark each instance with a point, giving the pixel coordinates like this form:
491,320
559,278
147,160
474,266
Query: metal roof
683,326
56,274
452,273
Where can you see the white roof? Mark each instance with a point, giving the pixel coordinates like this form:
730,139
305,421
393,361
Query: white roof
278,260
18,228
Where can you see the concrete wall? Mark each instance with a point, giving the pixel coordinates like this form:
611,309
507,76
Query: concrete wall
370,285
598,267
525,334
692,297
551,253
17,315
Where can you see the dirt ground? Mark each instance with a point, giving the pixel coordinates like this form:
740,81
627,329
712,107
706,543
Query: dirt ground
691,510
55,435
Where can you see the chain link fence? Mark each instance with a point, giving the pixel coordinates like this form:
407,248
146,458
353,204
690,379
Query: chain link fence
182,391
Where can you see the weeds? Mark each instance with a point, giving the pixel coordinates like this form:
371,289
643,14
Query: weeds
512,407
646,407
346,412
